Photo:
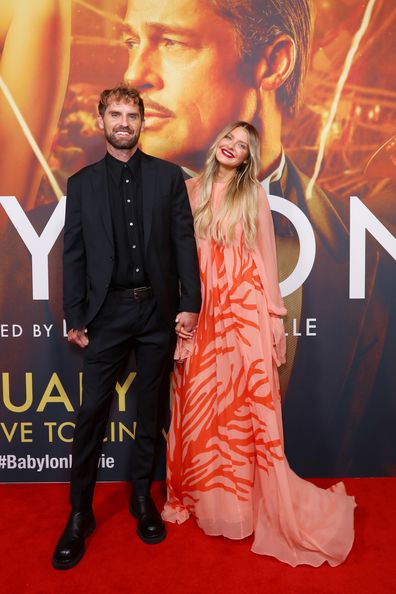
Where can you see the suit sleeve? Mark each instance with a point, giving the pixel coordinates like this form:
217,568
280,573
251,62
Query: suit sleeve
184,246
74,261
264,253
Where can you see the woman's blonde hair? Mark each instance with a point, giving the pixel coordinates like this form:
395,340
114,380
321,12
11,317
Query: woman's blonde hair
240,198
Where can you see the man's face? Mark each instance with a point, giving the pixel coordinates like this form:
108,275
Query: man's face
121,124
183,58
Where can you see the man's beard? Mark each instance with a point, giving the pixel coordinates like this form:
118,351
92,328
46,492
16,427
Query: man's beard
122,143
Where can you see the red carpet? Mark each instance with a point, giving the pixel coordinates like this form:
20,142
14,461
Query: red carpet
188,562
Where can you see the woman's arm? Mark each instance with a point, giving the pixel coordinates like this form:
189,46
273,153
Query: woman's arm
264,254
266,251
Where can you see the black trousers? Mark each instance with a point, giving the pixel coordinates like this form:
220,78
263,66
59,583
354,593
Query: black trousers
121,325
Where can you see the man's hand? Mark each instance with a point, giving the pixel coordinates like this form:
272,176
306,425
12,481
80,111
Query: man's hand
186,324
78,337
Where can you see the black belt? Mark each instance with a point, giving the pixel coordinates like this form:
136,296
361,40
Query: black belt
136,294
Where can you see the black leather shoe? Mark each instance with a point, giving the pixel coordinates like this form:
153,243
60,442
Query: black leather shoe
150,527
71,545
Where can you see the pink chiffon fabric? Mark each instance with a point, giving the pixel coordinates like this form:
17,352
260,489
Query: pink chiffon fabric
226,464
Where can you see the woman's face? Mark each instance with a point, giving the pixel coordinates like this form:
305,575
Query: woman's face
233,149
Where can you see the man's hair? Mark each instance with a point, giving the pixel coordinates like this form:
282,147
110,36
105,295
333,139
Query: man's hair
259,22
121,92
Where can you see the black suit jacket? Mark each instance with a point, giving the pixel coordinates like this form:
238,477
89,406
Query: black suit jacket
169,246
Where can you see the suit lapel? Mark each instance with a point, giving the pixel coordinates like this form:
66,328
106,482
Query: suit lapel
149,184
101,197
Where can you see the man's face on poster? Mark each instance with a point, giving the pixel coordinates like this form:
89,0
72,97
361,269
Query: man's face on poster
184,59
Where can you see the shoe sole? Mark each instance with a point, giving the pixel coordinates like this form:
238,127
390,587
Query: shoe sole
70,564
155,539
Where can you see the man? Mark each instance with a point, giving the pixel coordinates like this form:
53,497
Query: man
200,65
128,245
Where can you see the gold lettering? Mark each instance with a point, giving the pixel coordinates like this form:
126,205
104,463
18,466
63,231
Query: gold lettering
123,389
80,381
116,431
124,429
48,397
50,430
26,431
29,393
112,433
9,434
60,431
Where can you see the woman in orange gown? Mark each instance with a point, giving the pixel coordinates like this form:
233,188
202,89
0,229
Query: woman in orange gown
226,464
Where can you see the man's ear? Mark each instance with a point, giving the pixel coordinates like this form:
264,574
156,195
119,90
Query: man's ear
100,122
276,63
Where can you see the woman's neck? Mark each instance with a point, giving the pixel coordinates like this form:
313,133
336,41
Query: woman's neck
224,174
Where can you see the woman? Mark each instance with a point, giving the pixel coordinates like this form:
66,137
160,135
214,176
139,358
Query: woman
226,462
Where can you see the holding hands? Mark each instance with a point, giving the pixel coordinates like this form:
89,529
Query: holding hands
186,324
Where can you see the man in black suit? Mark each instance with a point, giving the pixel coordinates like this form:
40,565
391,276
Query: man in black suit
130,269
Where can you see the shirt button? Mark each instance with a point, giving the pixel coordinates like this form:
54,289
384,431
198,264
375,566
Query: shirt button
134,246
127,181
131,224
125,165
137,269
128,200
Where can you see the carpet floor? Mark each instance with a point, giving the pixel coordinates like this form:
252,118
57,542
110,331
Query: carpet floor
187,562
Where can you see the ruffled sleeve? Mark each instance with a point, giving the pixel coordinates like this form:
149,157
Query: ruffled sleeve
264,254
184,349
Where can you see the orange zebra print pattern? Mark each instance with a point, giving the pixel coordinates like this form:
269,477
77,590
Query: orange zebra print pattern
226,464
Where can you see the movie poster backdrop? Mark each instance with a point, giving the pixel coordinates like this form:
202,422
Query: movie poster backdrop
338,275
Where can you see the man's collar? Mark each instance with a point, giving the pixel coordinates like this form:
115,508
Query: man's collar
116,166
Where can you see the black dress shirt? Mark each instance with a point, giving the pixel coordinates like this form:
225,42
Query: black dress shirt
126,204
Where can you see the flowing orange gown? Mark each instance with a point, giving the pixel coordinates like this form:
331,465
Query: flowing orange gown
226,464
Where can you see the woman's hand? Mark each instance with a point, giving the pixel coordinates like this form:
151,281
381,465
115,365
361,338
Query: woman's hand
186,324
